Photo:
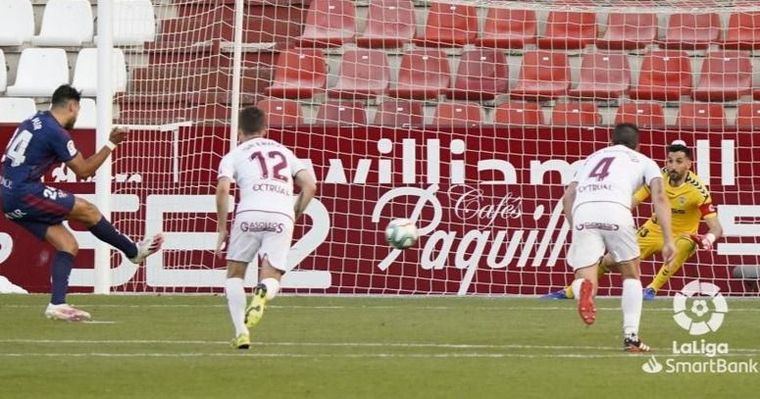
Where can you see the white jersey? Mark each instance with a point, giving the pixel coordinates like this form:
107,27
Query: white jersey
613,174
263,170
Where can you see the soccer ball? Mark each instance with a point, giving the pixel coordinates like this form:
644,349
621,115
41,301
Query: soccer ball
401,233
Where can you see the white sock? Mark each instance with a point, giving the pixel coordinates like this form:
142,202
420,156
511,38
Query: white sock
235,292
273,287
577,288
631,304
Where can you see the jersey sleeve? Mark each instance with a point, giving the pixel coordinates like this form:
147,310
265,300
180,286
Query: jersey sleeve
62,145
642,194
651,171
295,164
706,208
226,168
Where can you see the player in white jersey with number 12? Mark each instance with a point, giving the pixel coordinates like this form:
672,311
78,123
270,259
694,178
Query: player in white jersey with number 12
597,204
264,171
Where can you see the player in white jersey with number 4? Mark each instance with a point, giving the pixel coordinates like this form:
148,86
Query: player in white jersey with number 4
264,171
597,204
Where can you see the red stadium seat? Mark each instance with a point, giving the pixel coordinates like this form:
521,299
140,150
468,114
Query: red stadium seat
603,75
329,23
390,24
568,30
642,114
449,25
743,31
482,75
701,116
726,76
457,114
692,31
518,113
576,114
341,113
299,73
748,117
364,73
628,31
665,75
424,74
544,75
281,112
400,113
508,28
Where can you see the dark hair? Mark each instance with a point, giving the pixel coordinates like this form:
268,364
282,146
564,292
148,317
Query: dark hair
63,94
252,120
678,147
626,134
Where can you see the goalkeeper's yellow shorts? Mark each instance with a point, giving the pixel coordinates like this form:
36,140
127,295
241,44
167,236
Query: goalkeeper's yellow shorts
650,242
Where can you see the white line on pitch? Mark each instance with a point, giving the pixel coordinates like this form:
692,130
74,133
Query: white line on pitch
445,355
333,344
378,307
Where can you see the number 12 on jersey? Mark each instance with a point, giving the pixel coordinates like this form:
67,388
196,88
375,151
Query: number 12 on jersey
276,156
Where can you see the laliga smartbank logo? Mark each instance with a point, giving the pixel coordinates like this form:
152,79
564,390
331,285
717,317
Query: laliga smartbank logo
700,309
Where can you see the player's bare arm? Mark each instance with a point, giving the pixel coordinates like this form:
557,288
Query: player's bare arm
308,185
715,231
85,168
567,202
662,210
222,210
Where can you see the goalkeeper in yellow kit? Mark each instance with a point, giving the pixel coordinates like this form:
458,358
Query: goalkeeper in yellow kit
690,202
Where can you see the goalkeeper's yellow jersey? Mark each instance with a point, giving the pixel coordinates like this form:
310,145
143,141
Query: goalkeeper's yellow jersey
689,203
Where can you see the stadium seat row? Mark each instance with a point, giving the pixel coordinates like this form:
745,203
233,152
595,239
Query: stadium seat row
41,70
70,23
406,113
483,74
391,23
17,109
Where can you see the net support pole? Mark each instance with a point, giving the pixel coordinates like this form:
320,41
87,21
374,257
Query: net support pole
102,284
237,61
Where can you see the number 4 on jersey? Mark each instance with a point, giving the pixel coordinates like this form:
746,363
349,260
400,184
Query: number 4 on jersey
601,170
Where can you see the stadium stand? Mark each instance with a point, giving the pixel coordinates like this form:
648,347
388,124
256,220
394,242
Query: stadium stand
65,23
364,73
508,28
17,20
15,110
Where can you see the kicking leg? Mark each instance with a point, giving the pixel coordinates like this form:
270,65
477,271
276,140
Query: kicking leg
89,215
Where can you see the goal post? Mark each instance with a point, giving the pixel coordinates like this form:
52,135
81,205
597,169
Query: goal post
469,124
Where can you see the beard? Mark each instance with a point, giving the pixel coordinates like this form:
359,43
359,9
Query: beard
70,124
675,176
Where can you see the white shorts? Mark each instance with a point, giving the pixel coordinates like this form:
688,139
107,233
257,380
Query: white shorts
265,234
601,227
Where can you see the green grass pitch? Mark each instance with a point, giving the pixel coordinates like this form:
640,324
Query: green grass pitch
351,347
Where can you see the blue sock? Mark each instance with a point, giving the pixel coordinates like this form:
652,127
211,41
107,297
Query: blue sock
62,264
105,232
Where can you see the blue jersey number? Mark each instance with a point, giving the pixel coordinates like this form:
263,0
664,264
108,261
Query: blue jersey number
16,149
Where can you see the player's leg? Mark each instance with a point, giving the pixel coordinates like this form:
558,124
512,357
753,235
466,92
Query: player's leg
631,303
236,301
567,292
63,261
89,215
585,252
650,243
242,248
685,247
273,257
